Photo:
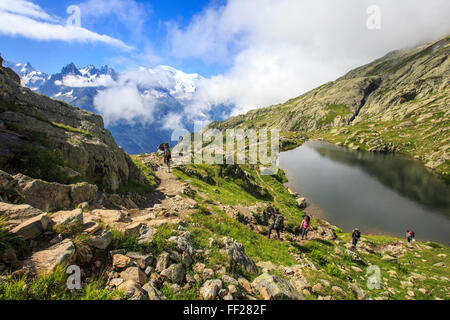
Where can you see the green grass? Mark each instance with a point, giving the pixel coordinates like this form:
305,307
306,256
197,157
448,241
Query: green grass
149,176
53,287
333,112
71,129
45,163
127,241
256,246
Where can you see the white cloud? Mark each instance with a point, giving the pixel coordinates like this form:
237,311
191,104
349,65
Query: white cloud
80,82
25,8
140,93
275,50
124,102
25,19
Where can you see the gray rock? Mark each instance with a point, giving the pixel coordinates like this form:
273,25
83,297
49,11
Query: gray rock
101,239
32,228
236,252
229,280
183,245
162,262
153,293
210,289
142,260
275,288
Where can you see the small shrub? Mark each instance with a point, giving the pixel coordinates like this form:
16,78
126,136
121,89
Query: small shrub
317,257
333,270
127,241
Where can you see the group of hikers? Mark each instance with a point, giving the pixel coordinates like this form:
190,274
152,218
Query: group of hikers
278,219
278,222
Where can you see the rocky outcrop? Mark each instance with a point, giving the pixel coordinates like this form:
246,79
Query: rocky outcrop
31,228
236,253
30,122
46,196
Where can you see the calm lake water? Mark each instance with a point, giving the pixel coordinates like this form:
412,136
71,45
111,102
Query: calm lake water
379,193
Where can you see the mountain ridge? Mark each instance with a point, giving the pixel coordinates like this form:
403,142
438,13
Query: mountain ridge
391,95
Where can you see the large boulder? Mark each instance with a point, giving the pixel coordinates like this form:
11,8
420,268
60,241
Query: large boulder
275,288
236,252
16,214
31,228
49,196
46,261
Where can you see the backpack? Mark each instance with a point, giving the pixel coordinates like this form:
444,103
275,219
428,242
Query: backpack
279,220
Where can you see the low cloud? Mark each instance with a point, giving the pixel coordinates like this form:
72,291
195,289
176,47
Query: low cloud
81,82
139,95
23,18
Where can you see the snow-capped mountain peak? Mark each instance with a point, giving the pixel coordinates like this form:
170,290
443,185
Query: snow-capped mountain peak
30,77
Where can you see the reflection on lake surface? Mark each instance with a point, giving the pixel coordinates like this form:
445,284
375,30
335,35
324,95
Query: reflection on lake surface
379,193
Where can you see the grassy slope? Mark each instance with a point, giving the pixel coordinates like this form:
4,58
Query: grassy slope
334,267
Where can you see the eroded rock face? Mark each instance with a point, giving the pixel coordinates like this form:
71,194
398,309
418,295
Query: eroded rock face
275,288
79,136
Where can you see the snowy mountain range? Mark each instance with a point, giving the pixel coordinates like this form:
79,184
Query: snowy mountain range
163,93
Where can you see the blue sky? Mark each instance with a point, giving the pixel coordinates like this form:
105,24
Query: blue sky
251,53
51,56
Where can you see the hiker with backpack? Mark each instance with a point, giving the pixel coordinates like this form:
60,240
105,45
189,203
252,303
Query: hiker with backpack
277,223
305,227
355,237
165,148
410,235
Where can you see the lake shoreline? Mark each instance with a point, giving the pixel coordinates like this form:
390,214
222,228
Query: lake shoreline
316,210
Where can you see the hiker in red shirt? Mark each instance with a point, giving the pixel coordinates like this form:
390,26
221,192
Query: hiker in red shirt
305,227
